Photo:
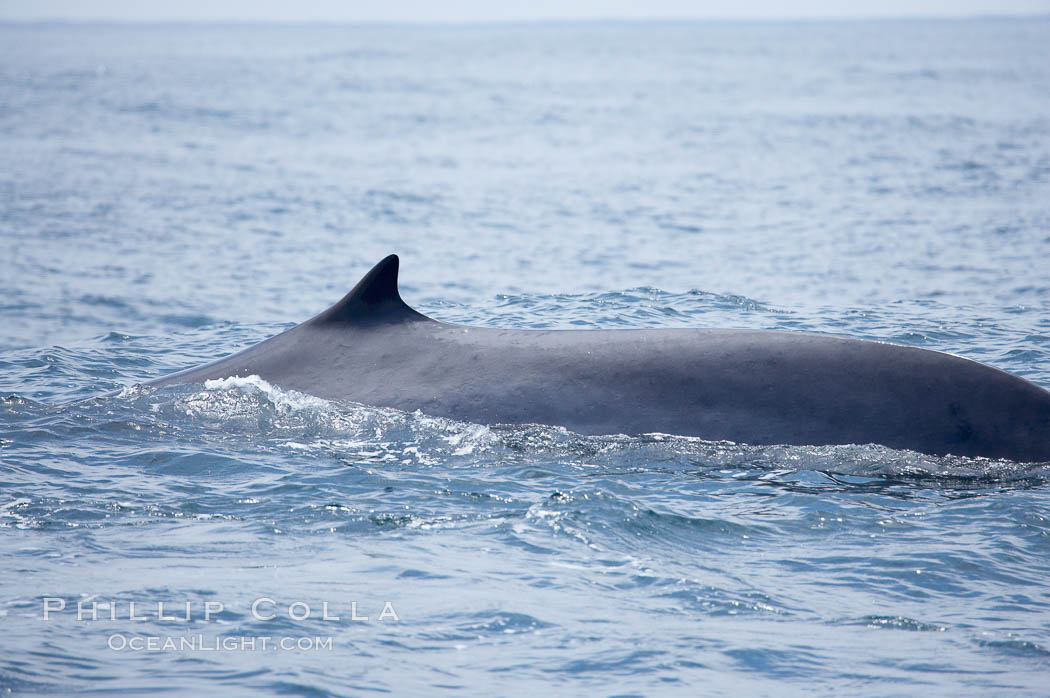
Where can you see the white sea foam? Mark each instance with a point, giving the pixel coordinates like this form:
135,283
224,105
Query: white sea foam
283,400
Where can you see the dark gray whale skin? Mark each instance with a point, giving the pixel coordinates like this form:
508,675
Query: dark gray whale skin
756,387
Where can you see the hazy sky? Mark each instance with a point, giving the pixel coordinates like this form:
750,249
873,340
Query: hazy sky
497,10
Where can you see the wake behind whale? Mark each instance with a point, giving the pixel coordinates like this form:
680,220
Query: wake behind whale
750,386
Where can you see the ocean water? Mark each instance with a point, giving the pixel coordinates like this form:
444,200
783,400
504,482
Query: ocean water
172,193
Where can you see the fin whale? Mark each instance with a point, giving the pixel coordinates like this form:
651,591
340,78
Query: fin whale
750,386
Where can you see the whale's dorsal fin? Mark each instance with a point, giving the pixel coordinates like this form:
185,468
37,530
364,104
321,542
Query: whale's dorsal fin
374,300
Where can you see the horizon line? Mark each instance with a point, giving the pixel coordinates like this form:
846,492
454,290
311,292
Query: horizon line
534,21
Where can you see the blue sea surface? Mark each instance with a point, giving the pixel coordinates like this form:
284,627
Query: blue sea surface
172,193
